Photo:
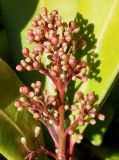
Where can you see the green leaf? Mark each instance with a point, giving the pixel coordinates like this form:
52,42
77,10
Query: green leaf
105,153
4,47
95,134
13,125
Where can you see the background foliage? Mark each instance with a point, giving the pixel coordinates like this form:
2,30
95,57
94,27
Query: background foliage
98,22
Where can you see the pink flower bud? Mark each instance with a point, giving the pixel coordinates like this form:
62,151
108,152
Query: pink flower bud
51,99
36,65
101,116
72,25
58,23
34,23
79,95
38,84
44,11
30,32
24,90
92,121
54,12
68,39
40,31
72,62
91,97
55,40
38,17
19,67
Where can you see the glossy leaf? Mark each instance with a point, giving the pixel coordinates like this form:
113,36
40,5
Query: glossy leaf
4,47
13,125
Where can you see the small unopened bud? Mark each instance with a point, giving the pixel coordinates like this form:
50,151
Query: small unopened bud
62,76
23,141
68,39
24,90
72,62
56,150
74,78
92,121
19,67
36,65
79,95
55,40
66,107
38,84
51,99
50,122
38,17
37,131
72,25
54,12
36,116
31,94
29,68
101,116
44,11
25,52
88,107
70,132
34,23
17,104
20,109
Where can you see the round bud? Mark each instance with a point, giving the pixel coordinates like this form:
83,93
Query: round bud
79,95
66,107
19,67
38,84
34,23
17,103
74,78
58,23
70,132
25,52
23,140
38,17
24,90
54,12
101,116
50,122
30,32
31,94
36,65
29,68
36,116
72,25
20,109
55,40
72,62
92,122
44,11
37,131
68,39
51,99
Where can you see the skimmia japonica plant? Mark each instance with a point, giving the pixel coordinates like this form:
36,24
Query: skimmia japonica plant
58,41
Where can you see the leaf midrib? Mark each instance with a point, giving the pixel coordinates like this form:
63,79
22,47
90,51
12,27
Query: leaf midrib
8,118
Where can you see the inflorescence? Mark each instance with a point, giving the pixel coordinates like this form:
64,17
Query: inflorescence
58,41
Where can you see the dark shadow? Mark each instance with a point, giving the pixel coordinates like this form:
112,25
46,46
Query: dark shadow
15,16
85,33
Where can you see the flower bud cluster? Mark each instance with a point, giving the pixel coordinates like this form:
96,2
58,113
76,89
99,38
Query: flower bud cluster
37,100
83,111
59,40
